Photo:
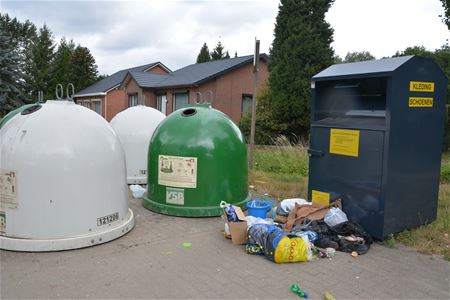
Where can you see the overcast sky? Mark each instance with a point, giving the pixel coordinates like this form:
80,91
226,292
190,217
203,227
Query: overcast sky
123,34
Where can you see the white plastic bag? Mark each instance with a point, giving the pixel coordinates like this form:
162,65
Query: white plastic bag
253,220
288,204
137,191
335,216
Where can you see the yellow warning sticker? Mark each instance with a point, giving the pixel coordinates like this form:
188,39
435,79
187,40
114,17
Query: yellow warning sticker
420,102
320,197
419,86
344,142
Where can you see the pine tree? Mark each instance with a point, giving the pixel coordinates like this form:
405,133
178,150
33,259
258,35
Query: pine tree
218,52
84,69
40,70
12,79
235,54
446,16
203,56
301,48
62,64
22,37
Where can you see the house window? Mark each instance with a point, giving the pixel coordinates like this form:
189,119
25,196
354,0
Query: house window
180,100
132,100
87,104
246,103
161,103
97,106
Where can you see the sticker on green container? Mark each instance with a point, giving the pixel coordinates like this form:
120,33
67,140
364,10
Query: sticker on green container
177,171
175,196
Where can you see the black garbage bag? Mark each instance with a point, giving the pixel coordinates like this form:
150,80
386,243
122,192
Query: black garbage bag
350,228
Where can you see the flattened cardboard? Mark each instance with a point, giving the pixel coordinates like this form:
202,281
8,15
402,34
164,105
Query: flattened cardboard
238,230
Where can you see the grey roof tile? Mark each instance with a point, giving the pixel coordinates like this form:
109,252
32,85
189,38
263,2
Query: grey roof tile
192,74
111,81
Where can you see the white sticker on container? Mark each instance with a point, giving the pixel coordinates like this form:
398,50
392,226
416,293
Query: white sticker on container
177,171
8,189
175,196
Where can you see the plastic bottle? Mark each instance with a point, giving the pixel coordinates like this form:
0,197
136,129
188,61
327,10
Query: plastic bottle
296,289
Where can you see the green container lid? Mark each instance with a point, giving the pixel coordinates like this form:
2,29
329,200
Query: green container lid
197,158
13,113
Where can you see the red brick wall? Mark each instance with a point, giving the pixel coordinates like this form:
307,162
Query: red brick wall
157,69
227,92
116,101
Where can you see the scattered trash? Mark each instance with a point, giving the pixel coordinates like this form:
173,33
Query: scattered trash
227,232
137,191
335,216
312,211
254,220
354,254
328,296
278,245
229,211
237,223
297,290
187,244
252,187
258,208
288,204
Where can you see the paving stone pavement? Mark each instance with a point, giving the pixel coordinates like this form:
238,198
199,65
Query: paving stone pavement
150,262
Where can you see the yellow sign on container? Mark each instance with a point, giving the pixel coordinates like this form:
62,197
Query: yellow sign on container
420,102
320,197
419,86
344,142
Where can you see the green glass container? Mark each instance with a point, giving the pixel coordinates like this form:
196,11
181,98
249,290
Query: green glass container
197,158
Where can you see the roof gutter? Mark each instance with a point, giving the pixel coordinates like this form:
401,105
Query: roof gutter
90,94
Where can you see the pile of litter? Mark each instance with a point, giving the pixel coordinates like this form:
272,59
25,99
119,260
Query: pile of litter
295,230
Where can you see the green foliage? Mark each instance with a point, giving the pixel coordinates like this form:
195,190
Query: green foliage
218,52
416,50
358,56
301,48
266,127
84,69
285,160
62,65
11,83
204,55
446,16
22,36
37,67
41,68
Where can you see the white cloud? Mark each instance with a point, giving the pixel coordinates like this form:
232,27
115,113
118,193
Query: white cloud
122,34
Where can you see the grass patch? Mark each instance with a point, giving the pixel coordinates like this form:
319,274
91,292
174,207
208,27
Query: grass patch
282,172
432,238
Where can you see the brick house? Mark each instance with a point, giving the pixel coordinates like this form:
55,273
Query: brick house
106,98
226,83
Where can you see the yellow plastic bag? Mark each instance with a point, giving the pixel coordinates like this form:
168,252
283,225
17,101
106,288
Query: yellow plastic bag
294,249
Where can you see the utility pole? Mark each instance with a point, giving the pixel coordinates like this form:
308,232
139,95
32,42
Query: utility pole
254,102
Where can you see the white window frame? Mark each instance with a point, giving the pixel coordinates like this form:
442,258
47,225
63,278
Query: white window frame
136,102
93,101
161,103
87,103
174,99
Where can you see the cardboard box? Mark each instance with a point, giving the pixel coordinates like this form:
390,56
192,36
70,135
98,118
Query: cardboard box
238,230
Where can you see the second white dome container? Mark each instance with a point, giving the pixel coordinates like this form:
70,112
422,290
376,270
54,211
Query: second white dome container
134,127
